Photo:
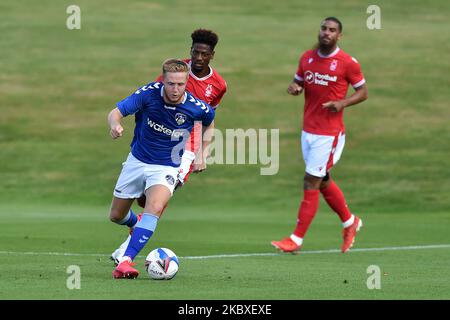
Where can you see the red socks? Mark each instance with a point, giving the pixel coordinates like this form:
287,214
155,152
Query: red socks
335,199
307,211
308,208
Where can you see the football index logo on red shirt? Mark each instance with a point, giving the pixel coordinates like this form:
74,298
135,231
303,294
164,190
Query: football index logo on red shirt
318,78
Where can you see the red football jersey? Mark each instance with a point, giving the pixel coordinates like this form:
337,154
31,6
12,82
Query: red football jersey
210,89
326,78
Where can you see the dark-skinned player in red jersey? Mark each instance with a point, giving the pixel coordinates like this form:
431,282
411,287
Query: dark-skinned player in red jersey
204,83
324,74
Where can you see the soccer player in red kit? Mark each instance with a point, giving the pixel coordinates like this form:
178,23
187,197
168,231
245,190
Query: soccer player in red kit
324,75
204,83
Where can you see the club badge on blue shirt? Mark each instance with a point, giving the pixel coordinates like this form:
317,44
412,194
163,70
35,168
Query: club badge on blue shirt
180,118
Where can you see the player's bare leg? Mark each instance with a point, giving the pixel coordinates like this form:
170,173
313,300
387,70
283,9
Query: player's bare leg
157,198
119,209
141,201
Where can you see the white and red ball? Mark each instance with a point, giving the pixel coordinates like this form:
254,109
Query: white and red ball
161,264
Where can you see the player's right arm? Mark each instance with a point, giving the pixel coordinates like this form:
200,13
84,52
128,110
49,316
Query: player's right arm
296,86
114,118
127,106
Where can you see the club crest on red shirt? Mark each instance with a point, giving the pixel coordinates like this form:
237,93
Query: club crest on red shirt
208,90
333,65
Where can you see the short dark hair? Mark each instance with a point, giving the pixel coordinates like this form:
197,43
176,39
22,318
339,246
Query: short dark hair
335,20
205,36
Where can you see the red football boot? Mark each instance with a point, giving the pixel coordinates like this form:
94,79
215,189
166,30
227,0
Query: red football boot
125,270
349,234
286,245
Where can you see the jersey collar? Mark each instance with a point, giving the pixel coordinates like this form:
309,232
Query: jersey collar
335,52
197,78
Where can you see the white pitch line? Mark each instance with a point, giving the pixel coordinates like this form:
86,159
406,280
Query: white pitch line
238,255
436,246
29,253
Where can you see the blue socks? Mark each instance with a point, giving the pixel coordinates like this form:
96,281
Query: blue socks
141,234
130,220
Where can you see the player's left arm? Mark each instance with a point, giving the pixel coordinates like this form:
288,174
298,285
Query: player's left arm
200,159
360,94
355,77
207,135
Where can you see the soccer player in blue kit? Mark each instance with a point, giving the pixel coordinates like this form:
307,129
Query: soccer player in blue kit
168,115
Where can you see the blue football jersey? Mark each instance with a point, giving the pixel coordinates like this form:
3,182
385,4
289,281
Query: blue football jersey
162,129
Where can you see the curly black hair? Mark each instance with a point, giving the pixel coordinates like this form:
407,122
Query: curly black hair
205,36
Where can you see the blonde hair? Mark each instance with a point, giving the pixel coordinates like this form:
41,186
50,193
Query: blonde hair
174,65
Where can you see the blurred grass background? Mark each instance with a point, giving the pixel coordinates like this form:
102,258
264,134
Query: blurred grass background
59,164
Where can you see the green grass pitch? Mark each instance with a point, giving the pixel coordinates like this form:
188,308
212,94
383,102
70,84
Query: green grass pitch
59,165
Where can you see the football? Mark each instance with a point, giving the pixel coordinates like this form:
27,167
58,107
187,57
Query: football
161,264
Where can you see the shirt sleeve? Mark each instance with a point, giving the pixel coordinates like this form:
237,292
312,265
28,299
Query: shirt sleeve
133,103
208,114
354,74
299,74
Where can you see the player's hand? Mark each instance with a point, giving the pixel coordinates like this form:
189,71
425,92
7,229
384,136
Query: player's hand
116,131
333,106
197,168
294,89
199,165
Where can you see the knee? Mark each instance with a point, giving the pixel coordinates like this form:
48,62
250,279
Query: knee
311,182
155,207
324,185
326,181
115,216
